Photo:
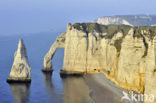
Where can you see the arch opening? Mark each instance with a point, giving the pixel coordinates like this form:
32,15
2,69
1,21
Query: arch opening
59,43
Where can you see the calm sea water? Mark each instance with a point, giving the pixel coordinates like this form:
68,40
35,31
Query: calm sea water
44,88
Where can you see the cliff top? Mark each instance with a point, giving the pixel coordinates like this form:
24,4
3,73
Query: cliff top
139,31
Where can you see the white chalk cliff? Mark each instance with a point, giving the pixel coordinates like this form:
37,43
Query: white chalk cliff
112,20
132,20
125,54
20,71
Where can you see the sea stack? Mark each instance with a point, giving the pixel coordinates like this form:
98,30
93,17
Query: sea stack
20,71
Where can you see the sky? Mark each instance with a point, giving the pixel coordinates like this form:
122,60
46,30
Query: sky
33,16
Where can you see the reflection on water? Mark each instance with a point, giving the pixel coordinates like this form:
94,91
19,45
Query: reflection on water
20,92
48,81
75,90
54,96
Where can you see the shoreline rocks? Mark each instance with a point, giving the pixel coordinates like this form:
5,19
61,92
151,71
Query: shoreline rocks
20,71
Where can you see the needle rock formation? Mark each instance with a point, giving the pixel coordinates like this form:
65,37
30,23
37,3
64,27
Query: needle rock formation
20,71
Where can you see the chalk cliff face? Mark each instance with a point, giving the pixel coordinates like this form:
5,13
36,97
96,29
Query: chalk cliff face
150,75
125,54
20,71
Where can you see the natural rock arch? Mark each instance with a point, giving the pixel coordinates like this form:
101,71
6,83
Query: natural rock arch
59,43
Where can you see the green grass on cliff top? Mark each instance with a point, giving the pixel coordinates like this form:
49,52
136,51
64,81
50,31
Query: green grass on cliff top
113,29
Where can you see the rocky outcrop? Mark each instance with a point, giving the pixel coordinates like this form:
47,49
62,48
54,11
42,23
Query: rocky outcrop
20,71
125,54
59,43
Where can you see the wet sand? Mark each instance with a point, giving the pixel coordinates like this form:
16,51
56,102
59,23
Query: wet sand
103,90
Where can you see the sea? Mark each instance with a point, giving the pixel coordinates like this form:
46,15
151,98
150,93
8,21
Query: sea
44,88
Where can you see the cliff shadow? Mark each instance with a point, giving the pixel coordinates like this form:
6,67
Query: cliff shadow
20,92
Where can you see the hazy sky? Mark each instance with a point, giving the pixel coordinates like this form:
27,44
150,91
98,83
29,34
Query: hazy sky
32,16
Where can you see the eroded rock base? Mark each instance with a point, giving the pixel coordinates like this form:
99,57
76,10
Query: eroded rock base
19,80
45,70
64,73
